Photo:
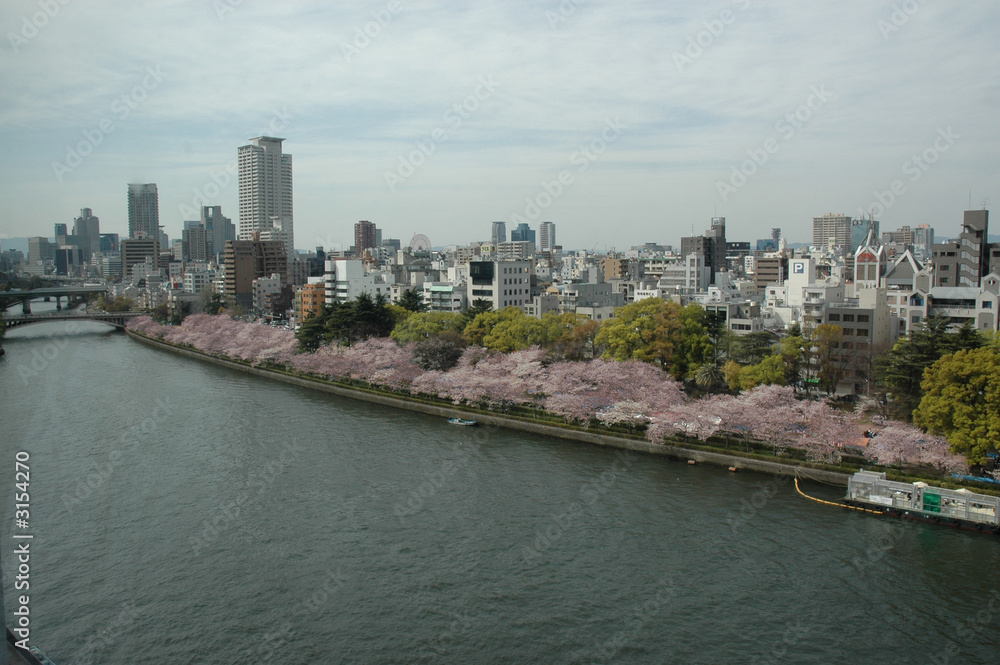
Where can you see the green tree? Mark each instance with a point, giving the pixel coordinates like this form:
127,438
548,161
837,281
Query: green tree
902,371
830,362
160,313
410,300
962,401
215,303
754,347
479,306
423,325
793,353
312,332
484,322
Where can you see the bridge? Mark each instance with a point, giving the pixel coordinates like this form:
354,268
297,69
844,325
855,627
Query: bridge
57,292
117,319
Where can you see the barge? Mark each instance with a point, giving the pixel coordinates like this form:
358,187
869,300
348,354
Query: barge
920,501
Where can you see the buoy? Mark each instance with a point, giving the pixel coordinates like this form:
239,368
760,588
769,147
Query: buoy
733,469
692,462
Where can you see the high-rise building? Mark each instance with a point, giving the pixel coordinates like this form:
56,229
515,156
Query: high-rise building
547,236
265,181
61,230
245,261
143,211
88,226
220,229
499,234
523,233
965,261
137,250
364,237
833,228
712,246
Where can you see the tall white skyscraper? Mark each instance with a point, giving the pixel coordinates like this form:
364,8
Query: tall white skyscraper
265,190
546,236
143,211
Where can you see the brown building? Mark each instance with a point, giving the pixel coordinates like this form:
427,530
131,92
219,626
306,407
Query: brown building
770,270
364,237
137,250
246,260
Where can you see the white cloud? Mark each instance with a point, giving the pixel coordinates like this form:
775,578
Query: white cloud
349,121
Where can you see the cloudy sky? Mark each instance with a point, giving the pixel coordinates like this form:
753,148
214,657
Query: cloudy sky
621,122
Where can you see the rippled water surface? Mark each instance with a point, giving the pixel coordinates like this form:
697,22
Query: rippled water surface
184,513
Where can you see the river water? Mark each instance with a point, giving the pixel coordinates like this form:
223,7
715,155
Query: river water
185,513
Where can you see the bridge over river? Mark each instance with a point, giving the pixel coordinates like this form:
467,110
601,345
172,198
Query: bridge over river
117,319
71,293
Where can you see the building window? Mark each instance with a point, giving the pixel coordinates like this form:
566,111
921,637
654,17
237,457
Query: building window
848,317
987,304
862,332
862,318
834,317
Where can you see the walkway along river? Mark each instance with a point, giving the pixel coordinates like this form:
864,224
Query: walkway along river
186,512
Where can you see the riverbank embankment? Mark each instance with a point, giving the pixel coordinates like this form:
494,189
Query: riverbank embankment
491,419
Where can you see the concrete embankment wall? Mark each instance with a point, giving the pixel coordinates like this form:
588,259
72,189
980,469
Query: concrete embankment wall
519,424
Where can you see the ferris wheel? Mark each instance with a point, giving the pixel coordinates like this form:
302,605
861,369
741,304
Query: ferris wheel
420,243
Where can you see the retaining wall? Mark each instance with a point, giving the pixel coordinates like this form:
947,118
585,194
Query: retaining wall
519,424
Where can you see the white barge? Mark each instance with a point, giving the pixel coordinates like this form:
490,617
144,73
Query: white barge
963,508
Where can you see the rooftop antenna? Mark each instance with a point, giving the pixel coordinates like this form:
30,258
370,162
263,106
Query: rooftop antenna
970,198
986,202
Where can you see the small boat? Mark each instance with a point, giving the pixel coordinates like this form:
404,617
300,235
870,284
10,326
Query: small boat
459,421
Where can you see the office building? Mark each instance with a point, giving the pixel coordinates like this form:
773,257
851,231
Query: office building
137,250
547,236
499,234
832,229
966,260
523,233
265,184
143,211
247,260
365,237
220,229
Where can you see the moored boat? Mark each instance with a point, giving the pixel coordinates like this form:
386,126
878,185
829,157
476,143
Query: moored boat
919,500
460,421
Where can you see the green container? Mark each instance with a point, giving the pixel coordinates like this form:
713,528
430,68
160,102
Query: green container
932,502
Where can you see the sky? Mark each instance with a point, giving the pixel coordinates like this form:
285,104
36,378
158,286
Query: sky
623,123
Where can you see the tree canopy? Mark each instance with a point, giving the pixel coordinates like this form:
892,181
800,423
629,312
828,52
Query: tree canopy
962,401
661,332
423,325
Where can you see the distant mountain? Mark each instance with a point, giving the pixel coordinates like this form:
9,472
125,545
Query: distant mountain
14,243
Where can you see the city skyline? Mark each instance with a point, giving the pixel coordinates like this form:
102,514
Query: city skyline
621,125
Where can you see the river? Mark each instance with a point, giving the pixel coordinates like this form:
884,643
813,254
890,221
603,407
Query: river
186,513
